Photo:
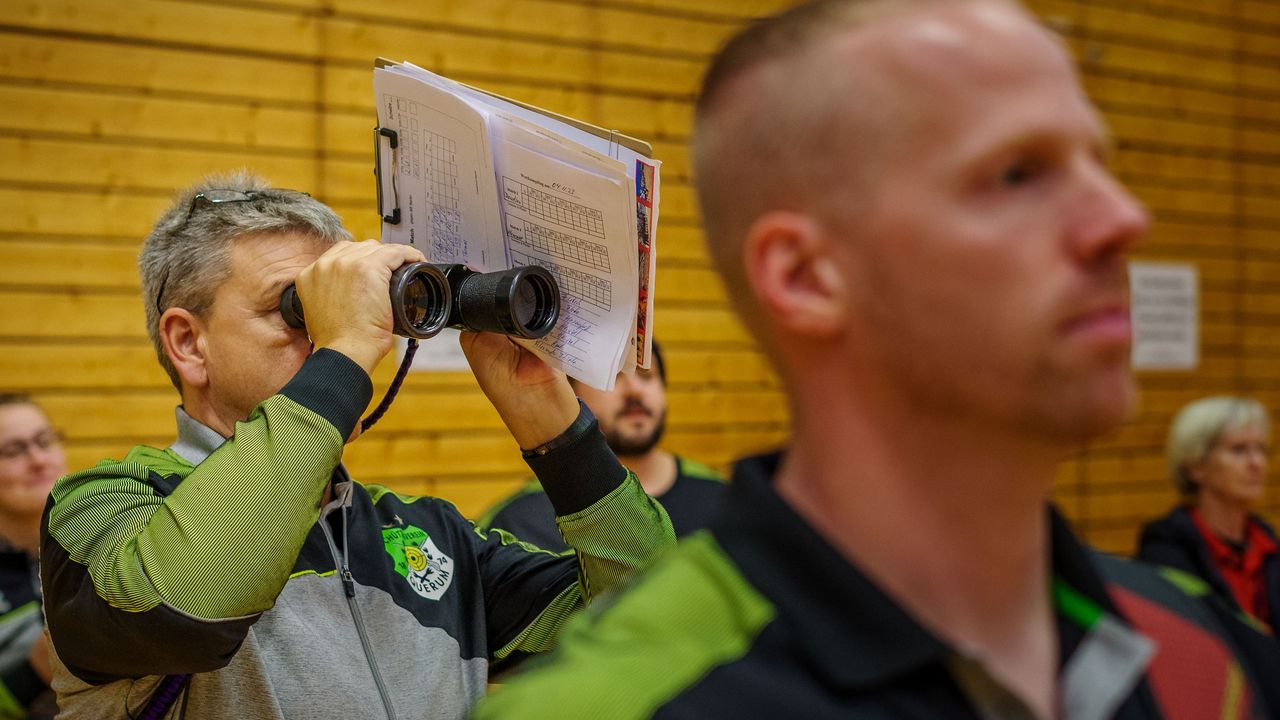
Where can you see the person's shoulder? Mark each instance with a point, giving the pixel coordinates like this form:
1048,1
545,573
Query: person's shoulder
1177,517
142,463
698,471
393,503
1170,532
691,613
1266,527
1176,591
1174,524
1193,627
530,492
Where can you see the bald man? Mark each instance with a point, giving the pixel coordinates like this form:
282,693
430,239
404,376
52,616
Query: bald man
909,204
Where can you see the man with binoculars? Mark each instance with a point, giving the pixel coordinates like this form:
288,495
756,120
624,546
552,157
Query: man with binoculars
241,572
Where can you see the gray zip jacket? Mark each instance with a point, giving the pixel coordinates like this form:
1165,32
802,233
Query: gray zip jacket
214,558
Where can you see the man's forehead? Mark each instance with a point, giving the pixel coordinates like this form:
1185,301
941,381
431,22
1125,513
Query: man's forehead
270,258
21,416
971,70
942,43
257,249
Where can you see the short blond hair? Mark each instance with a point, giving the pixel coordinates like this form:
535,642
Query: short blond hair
1198,425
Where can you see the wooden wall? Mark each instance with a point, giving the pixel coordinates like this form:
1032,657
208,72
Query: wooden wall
1191,90
106,107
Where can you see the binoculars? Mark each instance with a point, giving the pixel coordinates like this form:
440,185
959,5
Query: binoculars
426,298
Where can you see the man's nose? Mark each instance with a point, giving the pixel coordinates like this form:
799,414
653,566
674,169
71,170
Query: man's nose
626,385
1109,221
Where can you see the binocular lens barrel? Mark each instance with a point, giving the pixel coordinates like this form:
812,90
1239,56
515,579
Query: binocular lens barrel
522,302
420,300
426,298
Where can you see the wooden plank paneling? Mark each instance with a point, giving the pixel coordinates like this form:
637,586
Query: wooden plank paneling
96,413
120,115
109,107
584,24
160,70
225,26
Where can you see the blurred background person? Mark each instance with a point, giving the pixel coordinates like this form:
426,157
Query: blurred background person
31,459
633,418
1217,453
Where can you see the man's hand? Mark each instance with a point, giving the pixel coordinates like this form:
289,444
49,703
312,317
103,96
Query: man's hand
534,400
347,300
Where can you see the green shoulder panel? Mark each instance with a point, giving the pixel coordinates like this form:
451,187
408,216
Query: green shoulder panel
693,468
377,492
1185,581
1195,586
238,520
690,614
83,520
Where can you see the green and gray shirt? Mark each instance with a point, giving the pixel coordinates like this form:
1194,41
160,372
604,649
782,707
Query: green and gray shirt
214,557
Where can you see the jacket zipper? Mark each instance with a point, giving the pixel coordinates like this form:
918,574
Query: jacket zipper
349,589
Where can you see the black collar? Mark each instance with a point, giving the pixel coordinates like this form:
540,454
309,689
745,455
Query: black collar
854,634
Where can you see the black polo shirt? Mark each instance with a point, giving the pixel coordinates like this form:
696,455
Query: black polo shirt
762,618
691,502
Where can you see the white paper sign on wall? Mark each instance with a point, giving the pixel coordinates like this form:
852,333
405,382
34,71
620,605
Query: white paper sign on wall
1165,308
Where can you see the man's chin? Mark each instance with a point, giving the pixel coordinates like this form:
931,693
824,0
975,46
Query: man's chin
1096,411
632,444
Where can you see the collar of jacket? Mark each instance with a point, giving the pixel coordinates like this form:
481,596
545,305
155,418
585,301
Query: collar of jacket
855,634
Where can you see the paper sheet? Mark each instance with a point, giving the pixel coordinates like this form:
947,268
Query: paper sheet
578,225
442,181
642,170
493,185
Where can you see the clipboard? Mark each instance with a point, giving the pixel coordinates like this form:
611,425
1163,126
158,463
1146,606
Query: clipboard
381,134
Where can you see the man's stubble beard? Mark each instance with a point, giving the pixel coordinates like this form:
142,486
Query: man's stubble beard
628,447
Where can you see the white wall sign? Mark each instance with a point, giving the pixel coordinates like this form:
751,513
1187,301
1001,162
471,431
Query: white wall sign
441,352
1164,306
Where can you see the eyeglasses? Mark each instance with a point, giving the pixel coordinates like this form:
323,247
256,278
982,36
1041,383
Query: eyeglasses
1243,449
219,197
44,440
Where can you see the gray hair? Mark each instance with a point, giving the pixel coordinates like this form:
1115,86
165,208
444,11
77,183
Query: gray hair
1198,426
186,257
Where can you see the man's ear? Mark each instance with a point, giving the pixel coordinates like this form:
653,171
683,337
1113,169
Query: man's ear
794,275
182,334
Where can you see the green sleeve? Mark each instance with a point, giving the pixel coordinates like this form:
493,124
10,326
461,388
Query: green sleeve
614,528
221,544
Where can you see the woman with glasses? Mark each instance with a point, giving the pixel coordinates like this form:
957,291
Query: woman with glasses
31,459
1217,455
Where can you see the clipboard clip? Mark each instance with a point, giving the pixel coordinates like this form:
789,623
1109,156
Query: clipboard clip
393,139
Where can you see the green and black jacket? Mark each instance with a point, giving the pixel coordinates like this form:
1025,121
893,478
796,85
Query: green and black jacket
215,558
762,618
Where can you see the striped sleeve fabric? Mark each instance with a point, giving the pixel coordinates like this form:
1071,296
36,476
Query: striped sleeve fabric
691,614
614,528
153,565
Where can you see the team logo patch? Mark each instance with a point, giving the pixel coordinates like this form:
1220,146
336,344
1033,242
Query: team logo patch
418,560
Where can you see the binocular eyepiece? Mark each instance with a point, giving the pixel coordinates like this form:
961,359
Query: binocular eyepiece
426,298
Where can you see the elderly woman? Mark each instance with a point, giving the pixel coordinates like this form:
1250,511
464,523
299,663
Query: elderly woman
1217,456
